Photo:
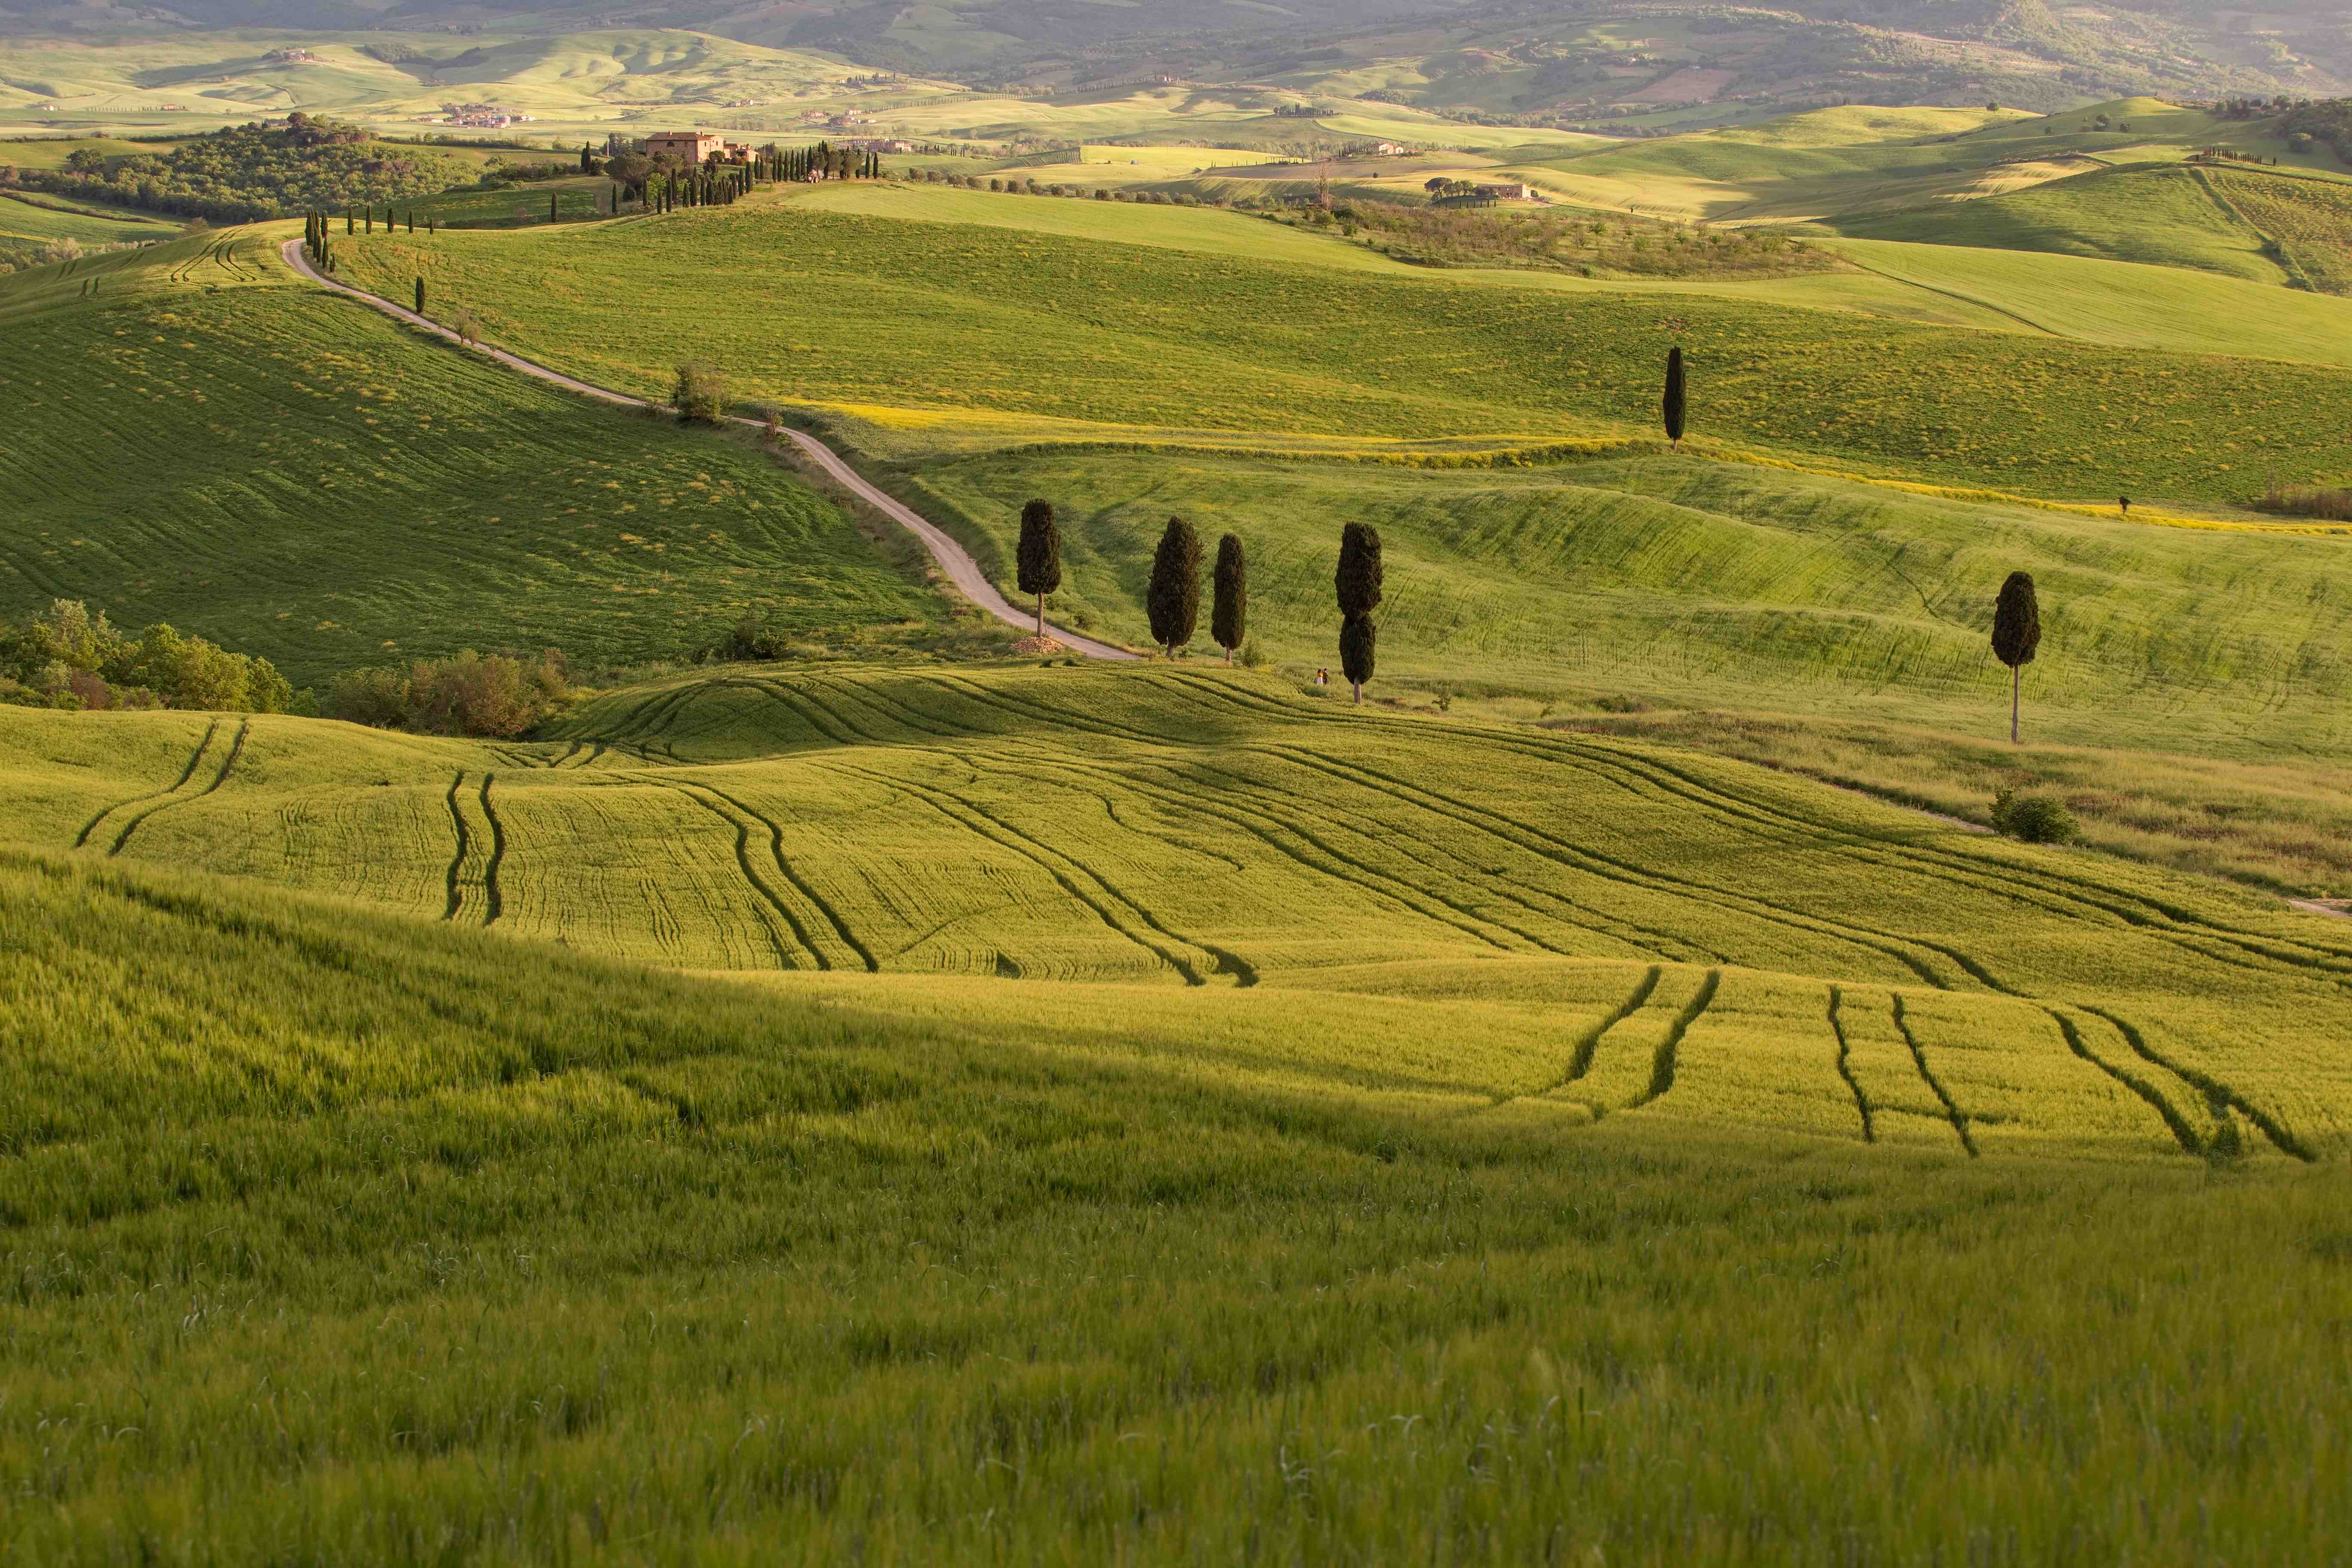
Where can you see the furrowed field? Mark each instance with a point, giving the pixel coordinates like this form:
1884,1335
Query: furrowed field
827,309
1143,1112
339,492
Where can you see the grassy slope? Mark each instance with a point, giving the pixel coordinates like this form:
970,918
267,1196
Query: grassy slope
2165,217
1864,160
1249,865
928,316
341,492
725,1277
2308,220
38,219
1719,585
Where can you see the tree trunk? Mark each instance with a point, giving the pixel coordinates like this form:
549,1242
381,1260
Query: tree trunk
1360,693
1229,656
2016,677
1041,615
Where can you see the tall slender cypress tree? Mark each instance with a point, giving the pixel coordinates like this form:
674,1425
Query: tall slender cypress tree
1358,583
1172,598
1039,559
1676,404
1229,612
2016,634
551,207
420,296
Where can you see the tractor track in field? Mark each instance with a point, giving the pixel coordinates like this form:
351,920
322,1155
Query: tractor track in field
771,905
2220,1098
784,869
1662,1065
465,845
194,759
491,896
2170,923
172,798
1845,1067
1952,1111
1038,855
955,563
2169,1113
1580,1059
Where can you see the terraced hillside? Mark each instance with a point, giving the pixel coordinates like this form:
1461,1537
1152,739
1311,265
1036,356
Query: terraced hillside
1495,920
937,319
341,492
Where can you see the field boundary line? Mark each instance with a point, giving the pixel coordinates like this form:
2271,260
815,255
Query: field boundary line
953,561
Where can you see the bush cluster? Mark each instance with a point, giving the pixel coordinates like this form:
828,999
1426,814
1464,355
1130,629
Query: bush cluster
471,694
2034,819
246,172
68,656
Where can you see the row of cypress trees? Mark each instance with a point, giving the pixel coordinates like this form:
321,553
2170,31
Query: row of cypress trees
1171,599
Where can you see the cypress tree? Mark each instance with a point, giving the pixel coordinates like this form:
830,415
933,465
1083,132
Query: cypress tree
1229,614
370,220
551,207
431,224
2016,634
1357,638
412,220
1358,583
1039,560
420,296
349,223
1676,403
1172,599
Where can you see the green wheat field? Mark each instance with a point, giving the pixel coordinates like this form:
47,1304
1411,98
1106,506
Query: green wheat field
911,1099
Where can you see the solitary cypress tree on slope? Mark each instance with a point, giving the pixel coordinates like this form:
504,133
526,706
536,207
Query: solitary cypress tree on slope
1038,561
1172,601
1229,613
1676,404
2016,634
420,296
1358,582
1357,636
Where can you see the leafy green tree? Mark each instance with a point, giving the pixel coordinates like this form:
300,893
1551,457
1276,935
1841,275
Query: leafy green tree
1229,611
1172,598
1676,404
700,393
1038,561
2016,634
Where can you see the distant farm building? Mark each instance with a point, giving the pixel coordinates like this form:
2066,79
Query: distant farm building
1503,191
692,147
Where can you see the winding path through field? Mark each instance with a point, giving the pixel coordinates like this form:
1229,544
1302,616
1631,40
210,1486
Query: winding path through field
952,558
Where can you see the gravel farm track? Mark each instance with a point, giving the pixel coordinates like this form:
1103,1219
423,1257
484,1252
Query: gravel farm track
952,558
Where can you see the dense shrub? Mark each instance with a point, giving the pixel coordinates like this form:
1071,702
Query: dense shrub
67,657
2034,819
496,696
246,172
699,395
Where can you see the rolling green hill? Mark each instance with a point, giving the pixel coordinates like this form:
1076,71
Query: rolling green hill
411,1243
343,493
1261,861
939,319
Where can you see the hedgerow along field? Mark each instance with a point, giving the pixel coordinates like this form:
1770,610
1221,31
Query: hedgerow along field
335,1236
342,492
823,309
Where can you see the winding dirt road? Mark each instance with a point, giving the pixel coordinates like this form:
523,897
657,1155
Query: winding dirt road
953,560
